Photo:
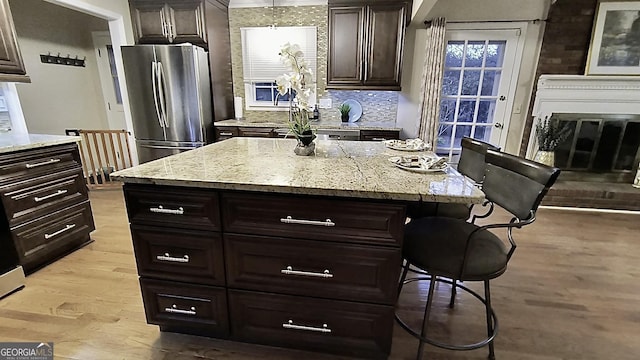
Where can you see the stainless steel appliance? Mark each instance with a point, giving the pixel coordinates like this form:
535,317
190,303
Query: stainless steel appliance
169,97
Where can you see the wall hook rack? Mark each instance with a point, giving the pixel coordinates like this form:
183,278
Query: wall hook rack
62,60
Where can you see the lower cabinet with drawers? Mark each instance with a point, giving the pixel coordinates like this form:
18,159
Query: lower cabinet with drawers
45,206
227,132
296,271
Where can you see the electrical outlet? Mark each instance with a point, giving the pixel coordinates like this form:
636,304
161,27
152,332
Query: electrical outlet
325,104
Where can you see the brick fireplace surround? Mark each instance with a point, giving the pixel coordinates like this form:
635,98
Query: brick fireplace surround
578,94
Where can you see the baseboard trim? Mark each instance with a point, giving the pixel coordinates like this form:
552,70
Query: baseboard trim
611,211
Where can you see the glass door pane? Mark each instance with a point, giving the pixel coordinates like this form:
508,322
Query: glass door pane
477,75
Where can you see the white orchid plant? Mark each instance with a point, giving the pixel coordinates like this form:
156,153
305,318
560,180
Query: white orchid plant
295,82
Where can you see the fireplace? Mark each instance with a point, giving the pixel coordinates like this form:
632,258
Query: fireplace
604,116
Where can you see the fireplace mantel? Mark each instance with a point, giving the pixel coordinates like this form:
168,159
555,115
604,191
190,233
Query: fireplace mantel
579,94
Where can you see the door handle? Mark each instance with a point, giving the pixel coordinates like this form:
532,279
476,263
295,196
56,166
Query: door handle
502,98
498,125
161,93
154,87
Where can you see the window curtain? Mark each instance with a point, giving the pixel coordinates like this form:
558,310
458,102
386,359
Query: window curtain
429,108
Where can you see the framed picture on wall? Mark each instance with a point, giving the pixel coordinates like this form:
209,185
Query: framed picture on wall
615,41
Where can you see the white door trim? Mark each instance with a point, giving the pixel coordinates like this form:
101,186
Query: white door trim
115,111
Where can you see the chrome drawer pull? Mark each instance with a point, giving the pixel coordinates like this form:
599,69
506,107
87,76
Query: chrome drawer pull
174,310
48,162
291,325
162,210
290,220
66,228
169,258
289,271
57,193
226,134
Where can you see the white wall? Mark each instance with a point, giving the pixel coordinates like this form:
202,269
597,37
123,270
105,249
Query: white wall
59,97
475,11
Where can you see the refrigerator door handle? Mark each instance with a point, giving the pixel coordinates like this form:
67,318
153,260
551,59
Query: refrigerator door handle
154,80
162,92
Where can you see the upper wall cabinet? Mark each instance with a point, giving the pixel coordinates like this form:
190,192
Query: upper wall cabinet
11,65
165,22
366,39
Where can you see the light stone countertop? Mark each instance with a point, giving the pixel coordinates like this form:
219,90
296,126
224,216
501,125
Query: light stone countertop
322,124
339,168
10,142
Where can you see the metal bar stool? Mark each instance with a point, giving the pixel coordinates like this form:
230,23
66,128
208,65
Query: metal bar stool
456,249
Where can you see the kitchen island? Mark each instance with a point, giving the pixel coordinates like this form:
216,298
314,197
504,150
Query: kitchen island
242,239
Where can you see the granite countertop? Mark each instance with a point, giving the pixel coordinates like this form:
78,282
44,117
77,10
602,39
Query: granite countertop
339,168
322,124
10,142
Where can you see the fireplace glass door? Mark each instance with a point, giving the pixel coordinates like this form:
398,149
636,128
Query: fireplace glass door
600,147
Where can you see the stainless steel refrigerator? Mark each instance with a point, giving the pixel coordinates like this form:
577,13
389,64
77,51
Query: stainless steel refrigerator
169,97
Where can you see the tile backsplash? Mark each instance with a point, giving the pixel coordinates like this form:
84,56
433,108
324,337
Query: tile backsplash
377,106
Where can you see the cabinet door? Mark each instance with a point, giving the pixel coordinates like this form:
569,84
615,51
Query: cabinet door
385,37
10,58
346,40
149,22
186,22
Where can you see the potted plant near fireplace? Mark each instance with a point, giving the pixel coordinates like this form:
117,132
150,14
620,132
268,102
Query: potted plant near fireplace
550,134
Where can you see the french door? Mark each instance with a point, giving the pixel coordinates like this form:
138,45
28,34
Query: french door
477,88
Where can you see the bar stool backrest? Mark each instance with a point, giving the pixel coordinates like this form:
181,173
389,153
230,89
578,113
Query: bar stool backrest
472,158
516,184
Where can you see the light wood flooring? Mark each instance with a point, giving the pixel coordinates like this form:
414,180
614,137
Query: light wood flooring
572,291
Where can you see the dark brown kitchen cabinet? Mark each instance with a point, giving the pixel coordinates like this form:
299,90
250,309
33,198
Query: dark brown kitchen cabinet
11,64
366,41
299,274
45,206
158,22
256,132
226,132
379,135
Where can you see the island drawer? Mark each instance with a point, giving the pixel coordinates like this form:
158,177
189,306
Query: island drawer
314,218
41,240
344,327
174,207
27,200
313,268
31,163
177,254
175,305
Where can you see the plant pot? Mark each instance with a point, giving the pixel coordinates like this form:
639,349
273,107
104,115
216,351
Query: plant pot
304,150
545,157
306,138
345,117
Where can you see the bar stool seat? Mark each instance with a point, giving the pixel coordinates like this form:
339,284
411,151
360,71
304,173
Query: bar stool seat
448,237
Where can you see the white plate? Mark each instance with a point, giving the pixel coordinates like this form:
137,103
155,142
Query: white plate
403,146
424,164
356,110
